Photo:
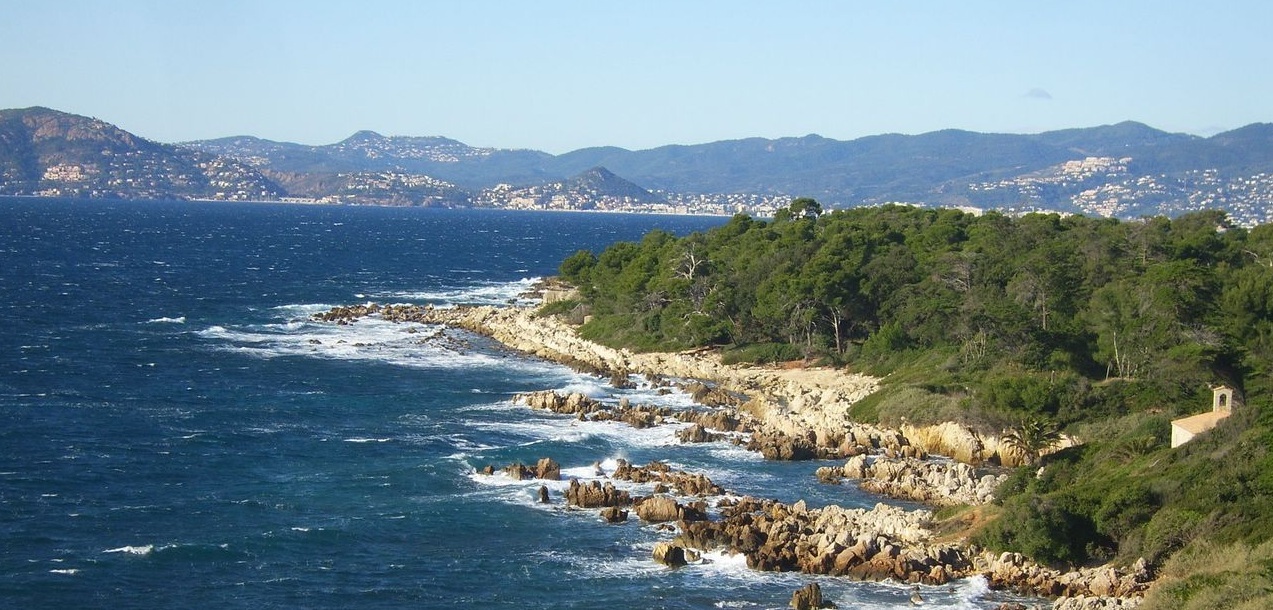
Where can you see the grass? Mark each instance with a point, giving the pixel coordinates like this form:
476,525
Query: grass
1206,575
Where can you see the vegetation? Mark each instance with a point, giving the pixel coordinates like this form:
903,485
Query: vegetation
1205,575
1105,330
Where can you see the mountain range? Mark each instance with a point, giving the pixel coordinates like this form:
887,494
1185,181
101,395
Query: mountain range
1124,170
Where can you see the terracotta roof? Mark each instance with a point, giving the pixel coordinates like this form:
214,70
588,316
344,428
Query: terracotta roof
1201,422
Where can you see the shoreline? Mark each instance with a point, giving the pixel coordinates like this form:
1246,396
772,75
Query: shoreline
803,413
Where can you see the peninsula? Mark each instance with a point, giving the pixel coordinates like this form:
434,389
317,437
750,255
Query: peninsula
1046,356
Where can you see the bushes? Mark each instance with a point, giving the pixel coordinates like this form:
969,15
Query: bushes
1044,529
1125,509
1169,530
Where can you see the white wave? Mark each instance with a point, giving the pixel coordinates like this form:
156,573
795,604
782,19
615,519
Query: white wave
176,320
591,388
369,339
970,592
133,550
721,565
303,310
570,430
68,571
367,440
526,491
488,293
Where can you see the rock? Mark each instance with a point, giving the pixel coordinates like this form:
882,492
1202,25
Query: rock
548,469
658,509
614,514
596,495
619,379
809,597
519,472
1085,602
782,447
543,494
669,554
696,434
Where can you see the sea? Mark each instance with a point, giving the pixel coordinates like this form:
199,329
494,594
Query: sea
177,433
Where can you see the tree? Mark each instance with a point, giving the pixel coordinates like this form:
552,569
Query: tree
806,207
576,267
1032,437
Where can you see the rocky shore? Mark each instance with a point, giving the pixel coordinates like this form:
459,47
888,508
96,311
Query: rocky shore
788,414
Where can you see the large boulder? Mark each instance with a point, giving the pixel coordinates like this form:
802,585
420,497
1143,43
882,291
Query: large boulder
548,469
658,509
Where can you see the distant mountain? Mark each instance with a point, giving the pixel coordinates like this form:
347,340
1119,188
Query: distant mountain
1112,140
1126,170
46,152
368,151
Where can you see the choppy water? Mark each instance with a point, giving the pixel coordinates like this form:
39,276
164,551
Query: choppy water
176,433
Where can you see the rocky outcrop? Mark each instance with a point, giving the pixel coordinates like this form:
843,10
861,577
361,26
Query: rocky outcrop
931,482
684,483
595,495
883,543
1085,602
586,408
1014,571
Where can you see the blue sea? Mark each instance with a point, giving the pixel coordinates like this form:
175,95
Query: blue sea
177,433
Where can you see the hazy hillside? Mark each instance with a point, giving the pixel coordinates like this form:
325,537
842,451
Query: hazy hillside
1125,170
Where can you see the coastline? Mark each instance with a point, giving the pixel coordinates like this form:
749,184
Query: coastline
803,413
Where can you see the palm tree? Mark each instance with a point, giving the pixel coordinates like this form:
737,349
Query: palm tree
1032,437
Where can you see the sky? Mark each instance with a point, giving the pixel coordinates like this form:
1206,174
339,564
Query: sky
562,75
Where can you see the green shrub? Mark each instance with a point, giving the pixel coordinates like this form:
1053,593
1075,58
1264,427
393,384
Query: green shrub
1044,530
1170,529
1125,509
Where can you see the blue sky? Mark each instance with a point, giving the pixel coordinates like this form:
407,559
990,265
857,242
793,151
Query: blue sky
562,75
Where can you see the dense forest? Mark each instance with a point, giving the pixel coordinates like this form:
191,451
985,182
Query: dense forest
1105,330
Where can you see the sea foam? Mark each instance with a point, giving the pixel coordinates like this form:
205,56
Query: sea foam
489,293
